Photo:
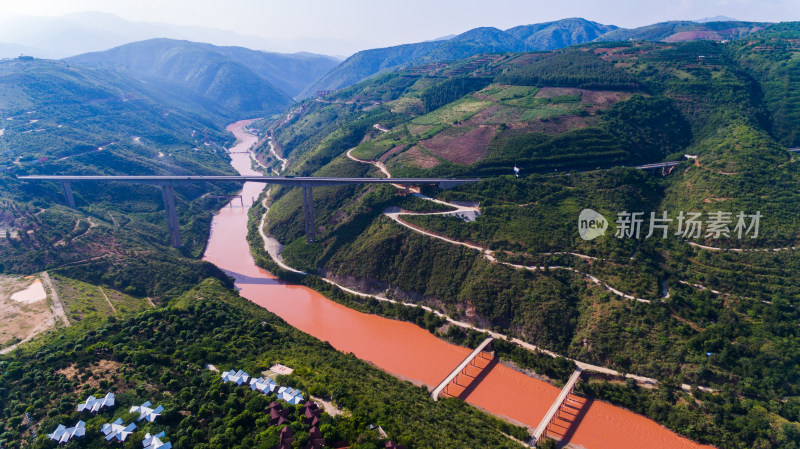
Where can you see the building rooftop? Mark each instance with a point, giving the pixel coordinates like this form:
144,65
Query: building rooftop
117,430
94,405
238,377
154,441
146,412
63,434
281,369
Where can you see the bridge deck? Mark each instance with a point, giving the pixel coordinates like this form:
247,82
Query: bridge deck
459,368
311,181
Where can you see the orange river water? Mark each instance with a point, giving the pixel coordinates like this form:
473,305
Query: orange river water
406,350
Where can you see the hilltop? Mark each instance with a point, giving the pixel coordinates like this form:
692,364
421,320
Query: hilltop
543,36
231,80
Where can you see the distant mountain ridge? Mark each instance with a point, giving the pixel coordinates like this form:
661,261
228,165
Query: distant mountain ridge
684,30
536,37
83,32
543,36
235,80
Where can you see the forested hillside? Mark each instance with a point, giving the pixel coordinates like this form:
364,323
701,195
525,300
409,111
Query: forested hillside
711,309
181,71
162,356
525,38
61,119
542,36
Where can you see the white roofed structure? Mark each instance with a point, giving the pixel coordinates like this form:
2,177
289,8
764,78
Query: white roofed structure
146,412
94,405
263,384
154,441
117,430
290,395
63,434
239,377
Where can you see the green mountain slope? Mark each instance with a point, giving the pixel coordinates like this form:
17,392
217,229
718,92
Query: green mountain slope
161,355
713,310
63,119
545,36
559,34
525,38
684,30
225,80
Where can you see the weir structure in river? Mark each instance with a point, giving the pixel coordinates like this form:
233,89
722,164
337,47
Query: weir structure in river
562,413
306,183
461,369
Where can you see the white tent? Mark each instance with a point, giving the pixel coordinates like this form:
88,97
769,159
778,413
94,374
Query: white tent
145,412
94,405
117,430
64,434
239,377
154,441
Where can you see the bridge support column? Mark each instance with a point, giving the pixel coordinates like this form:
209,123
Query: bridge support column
172,215
308,211
65,185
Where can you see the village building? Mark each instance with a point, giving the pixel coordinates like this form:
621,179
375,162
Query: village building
290,395
315,439
281,369
263,384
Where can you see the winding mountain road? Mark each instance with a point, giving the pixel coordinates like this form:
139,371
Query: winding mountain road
274,248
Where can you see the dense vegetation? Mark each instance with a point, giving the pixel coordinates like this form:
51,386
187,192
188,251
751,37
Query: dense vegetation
59,119
161,356
525,38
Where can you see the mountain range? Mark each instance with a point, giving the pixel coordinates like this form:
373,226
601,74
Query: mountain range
537,37
233,81
82,32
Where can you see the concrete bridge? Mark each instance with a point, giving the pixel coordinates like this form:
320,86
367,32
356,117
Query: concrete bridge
664,167
306,183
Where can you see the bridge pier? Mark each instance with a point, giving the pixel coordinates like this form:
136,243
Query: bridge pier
172,215
308,211
67,187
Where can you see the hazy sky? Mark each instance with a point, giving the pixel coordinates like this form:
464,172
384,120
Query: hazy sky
376,23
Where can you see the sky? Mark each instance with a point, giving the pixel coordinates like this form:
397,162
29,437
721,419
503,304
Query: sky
361,24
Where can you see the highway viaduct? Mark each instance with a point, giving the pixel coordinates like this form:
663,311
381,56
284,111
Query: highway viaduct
305,183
